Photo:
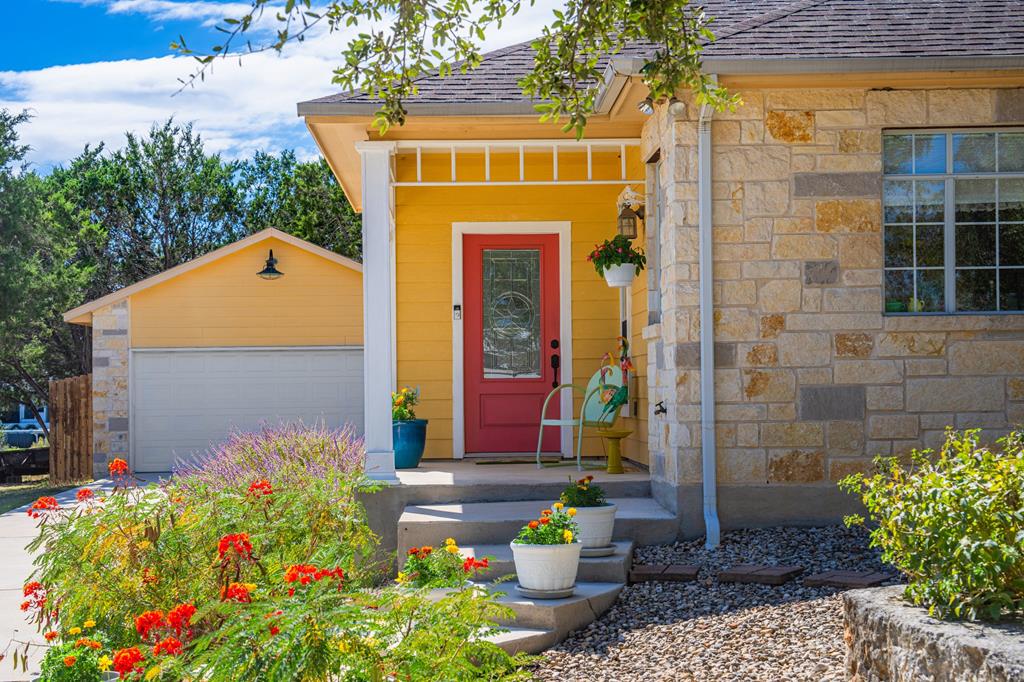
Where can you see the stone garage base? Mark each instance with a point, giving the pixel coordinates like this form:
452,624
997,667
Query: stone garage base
888,639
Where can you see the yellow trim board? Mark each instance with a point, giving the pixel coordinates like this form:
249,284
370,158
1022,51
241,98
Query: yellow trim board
83,313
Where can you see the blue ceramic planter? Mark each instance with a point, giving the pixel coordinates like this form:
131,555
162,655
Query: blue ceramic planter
410,437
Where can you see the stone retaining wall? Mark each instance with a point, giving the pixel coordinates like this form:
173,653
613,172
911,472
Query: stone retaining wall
890,641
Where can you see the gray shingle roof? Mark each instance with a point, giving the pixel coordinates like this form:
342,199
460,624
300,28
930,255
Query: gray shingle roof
751,34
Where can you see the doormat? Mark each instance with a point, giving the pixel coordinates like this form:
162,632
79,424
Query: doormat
531,460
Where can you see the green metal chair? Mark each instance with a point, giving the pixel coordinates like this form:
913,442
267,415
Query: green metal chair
594,413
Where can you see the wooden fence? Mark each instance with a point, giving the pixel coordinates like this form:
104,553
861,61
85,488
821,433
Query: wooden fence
71,429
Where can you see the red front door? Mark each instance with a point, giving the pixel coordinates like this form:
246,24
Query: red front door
511,333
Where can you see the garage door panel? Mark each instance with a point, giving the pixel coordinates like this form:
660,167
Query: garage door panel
184,401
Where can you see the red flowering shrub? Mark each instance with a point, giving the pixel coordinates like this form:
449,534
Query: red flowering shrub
238,592
117,467
180,618
260,488
192,580
235,546
43,506
170,646
85,495
128,661
149,621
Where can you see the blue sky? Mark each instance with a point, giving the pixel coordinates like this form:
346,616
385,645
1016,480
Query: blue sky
90,70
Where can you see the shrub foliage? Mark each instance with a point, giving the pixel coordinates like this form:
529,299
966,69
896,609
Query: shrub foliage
953,523
219,574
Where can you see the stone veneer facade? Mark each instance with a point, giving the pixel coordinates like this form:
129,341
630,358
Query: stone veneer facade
110,345
812,380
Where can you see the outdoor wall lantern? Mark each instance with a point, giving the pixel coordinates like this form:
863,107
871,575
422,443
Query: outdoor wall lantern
270,272
628,215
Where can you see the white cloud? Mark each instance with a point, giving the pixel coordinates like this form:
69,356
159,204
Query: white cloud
238,109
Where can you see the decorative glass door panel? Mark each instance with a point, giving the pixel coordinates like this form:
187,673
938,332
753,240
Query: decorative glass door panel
511,314
510,330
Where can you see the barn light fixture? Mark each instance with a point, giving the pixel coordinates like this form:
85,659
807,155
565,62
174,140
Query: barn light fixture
270,272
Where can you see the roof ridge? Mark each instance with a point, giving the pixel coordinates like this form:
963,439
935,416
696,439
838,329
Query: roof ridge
766,18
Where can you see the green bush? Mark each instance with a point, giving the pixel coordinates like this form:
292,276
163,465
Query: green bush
222,576
953,523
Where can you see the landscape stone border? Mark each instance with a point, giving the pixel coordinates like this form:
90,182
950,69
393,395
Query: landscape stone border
760,574
891,640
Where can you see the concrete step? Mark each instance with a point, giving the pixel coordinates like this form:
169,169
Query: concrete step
608,569
562,616
498,483
526,640
639,519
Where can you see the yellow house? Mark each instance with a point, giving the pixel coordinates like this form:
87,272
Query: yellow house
182,358
814,228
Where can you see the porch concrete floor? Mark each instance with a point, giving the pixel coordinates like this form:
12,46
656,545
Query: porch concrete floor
466,472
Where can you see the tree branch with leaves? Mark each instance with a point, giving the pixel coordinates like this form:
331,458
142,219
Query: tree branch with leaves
400,41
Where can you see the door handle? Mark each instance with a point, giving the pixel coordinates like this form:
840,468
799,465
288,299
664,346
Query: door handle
556,362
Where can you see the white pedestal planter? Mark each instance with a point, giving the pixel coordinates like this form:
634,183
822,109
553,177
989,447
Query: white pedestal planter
620,276
546,568
596,525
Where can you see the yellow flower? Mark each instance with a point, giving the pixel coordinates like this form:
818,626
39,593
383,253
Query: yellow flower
450,541
250,586
89,624
558,506
567,536
105,663
343,647
571,511
451,549
401,579
75,631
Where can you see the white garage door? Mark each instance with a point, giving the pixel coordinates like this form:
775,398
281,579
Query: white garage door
183,401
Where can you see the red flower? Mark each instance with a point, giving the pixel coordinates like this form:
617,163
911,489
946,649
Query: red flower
84,494
544,521
471,564
42,506
171,646
148,576
180,617
36,596
50,636
260,488
117,467
148,621
304,574
237,544
127,661
413,551
69,661
236,592
533,525
274,630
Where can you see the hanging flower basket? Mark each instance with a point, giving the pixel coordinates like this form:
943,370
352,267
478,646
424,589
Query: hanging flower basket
618,261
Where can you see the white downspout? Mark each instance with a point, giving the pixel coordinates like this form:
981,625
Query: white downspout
707,330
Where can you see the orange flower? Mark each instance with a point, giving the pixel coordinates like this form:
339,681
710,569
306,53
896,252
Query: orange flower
149,620
85,641
50,636
127,661
545,512
171,646
238,592
69,661
545,521
533,525
117,467
42,506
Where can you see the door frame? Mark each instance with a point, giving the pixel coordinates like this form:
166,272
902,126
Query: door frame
564,231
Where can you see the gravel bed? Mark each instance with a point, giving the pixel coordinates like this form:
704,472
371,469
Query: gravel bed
706,630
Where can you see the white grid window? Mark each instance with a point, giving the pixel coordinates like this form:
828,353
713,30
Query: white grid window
954,221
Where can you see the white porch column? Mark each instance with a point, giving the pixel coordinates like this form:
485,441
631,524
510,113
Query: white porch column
378,306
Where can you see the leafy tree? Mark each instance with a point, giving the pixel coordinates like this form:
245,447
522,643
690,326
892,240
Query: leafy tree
301,198
422,37
40,277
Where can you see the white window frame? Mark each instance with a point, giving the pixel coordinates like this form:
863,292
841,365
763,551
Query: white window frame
949,177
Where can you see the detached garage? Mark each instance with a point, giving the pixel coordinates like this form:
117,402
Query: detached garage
265,330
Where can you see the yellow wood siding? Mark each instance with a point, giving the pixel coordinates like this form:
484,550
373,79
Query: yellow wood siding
424,217
223,303
635,446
